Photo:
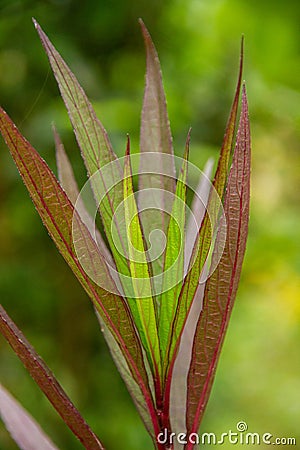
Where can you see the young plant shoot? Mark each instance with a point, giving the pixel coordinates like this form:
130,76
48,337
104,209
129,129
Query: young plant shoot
164,287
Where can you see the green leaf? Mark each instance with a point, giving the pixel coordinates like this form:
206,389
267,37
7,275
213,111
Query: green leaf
174,260
59,216
47,383
155,137
95,147
142,305
24,430
221,287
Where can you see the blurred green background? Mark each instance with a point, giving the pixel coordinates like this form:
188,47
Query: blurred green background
258,378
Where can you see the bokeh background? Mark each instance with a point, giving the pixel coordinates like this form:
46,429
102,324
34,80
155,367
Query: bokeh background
258,378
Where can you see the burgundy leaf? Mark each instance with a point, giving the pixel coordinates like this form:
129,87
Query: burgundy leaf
47,383
221,287
58,216
95,147
155,137
204,239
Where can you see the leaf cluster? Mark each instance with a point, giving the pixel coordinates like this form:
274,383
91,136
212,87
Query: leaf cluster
163,304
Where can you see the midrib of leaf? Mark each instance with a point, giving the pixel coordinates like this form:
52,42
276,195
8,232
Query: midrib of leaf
142,306
221,287
174,261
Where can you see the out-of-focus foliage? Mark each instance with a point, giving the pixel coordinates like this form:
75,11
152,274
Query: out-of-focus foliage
198,43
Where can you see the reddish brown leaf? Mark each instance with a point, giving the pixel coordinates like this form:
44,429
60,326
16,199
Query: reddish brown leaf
95,147
48,383
204,239
155,137
58,216
220,290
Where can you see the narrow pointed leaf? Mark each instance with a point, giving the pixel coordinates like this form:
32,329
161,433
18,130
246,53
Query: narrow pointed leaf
221,287
67,179
69,184
204,239
93,141
226,150
155,137
24,430
174,259
142,305
90,133
47,383
64,169
58,216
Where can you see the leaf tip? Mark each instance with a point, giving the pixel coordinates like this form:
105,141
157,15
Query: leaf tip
187,145
241,59
35,23
242,43
143,27
146,35
244,92
53,127
57,140
127,151
189,135
39,30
